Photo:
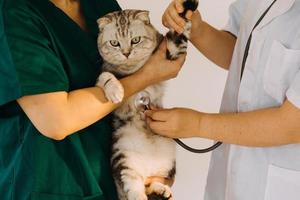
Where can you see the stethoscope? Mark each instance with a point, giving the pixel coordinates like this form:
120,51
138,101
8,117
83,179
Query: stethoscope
143,98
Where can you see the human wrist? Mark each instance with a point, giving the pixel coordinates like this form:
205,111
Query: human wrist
142,79
205,120
146,77
199,32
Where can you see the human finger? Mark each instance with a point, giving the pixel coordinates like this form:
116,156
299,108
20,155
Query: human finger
162,48
154,108
164,18
164,22
189,15
157,126
157,115
171,23
176,18
181,59
178,5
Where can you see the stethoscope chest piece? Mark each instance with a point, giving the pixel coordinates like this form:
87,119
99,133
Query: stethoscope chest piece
142,100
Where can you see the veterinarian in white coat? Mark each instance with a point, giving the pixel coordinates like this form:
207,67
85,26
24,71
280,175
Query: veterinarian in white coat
260,159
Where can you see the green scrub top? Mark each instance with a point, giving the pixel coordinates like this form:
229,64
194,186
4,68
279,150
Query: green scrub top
51,53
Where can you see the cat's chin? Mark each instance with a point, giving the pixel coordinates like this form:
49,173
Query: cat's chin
130,71
125,61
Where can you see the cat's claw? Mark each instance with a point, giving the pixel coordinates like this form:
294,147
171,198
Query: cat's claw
112,87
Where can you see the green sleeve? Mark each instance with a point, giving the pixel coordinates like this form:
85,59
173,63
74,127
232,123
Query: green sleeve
8,80
36,60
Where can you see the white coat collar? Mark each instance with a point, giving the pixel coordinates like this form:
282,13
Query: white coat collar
279,8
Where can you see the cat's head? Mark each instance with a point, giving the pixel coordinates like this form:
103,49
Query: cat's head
126,37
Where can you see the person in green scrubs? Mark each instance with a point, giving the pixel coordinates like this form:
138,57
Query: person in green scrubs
55,127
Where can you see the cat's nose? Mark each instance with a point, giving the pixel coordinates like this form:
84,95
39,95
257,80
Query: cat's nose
126,54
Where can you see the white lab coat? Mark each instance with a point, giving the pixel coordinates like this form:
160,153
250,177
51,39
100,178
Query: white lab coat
272,75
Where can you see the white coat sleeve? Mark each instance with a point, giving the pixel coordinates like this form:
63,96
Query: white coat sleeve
236,11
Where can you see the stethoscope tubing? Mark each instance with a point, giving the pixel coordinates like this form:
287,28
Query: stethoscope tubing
198,151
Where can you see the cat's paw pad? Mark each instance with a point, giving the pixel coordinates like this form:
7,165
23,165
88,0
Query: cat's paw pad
134,195
112,87
160,189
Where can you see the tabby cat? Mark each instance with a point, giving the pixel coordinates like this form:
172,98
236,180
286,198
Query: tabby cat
126,41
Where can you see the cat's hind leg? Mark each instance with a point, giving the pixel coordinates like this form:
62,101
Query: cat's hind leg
121,194
190,5
159,191
129,183
177,43
133,185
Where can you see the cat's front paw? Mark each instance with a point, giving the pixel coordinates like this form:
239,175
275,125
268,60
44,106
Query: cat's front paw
112,87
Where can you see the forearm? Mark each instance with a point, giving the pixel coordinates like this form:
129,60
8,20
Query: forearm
62,114
86,106
216,45
262,128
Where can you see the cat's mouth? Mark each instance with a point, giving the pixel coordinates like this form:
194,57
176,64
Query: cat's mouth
133,60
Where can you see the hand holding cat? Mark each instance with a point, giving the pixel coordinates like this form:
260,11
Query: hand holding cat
175,123
158,68
172,19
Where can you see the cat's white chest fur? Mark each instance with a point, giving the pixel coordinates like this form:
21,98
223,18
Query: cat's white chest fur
149,153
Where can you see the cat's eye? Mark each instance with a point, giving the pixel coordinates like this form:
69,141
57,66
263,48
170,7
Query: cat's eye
114,43
135,40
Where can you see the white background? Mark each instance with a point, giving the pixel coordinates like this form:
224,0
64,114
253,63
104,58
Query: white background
199,86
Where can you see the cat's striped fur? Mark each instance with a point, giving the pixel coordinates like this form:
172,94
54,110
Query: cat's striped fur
126,41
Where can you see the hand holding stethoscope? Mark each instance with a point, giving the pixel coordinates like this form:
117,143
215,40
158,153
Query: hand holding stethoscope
143,100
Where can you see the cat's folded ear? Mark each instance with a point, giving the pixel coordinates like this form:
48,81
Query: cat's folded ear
103,21
143,15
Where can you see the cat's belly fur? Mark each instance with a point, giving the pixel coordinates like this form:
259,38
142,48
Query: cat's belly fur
146,153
